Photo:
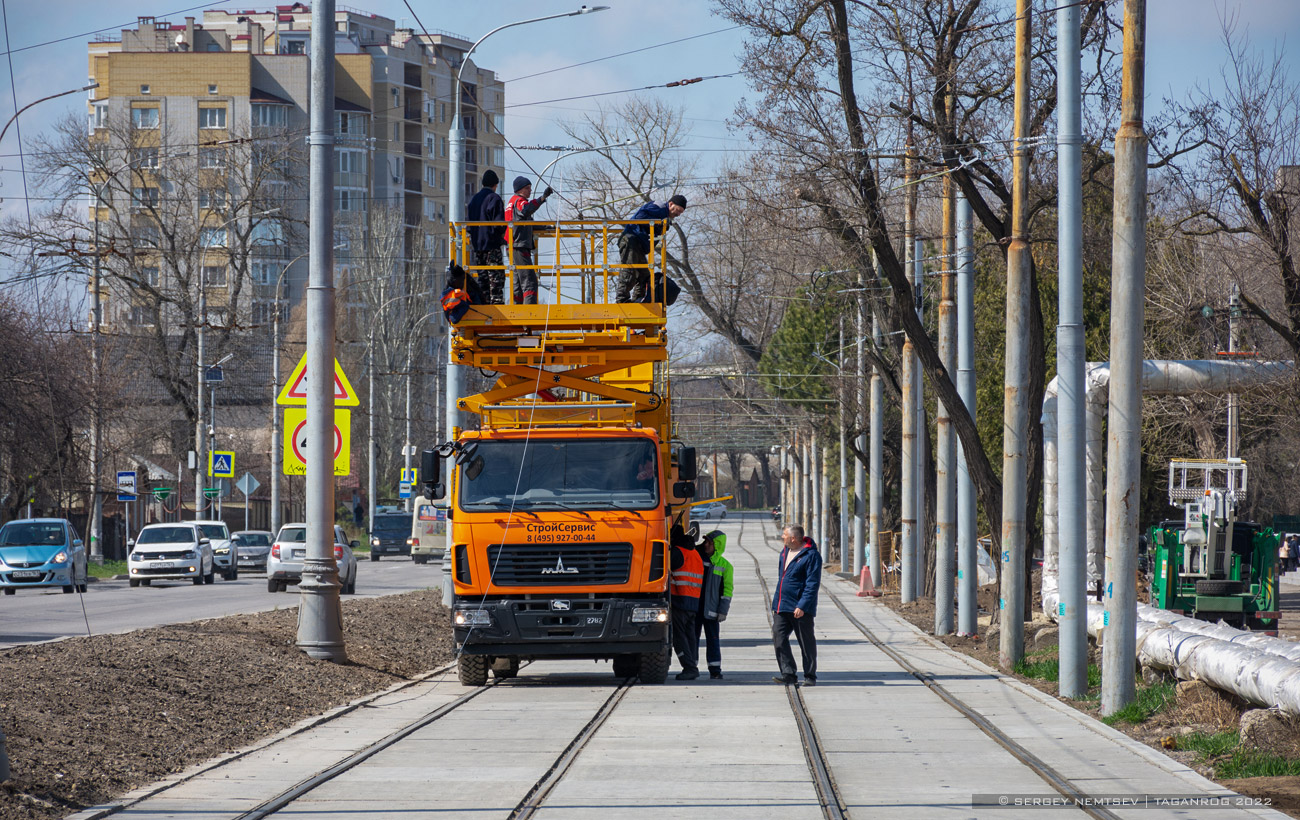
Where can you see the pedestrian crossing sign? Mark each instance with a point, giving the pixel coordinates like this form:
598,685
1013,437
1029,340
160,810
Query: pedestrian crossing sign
221,464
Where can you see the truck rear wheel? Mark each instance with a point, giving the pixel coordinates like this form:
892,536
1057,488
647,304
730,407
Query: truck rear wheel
1218,587
505,668
472,670
627,666
654,666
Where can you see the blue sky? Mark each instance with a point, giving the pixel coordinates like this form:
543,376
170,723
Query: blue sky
1183,48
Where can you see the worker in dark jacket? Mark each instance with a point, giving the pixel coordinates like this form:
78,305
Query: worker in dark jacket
634,249
794,605
685,584
520,237
487,240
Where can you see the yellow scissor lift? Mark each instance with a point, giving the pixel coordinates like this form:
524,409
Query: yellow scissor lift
606,356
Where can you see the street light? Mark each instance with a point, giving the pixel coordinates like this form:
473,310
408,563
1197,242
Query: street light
407,450
370,371
456,197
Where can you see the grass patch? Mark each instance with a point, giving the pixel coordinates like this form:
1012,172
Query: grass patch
107,570
1245,763
1210,744
1046,665
1150,700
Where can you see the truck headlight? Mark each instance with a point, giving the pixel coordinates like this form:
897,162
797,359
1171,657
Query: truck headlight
472,617
650,615
374,542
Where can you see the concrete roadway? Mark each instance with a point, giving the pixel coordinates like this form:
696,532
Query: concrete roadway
112,606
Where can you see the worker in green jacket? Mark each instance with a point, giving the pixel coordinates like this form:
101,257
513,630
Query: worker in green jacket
715,599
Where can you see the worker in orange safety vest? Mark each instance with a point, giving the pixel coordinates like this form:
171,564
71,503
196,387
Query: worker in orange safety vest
686,582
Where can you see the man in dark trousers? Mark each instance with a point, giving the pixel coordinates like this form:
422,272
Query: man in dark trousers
520,236
685,584
794,606
487,240
715,601
634,249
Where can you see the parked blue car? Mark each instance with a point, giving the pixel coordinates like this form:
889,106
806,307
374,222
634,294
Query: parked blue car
41,552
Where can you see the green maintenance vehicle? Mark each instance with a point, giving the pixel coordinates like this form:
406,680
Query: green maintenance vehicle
1210,565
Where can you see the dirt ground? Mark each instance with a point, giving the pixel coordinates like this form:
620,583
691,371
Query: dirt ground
88,719
1160,731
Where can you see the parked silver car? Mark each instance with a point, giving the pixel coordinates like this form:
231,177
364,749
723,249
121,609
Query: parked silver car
289,550
41,552
254,547
171,551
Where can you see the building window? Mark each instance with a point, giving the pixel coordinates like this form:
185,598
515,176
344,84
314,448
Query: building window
214,276
499,157
212,157
351,124
442,149
99,115
430,209
144,117
345,200
269,116
144,158
144,89
351,162
267,232
212,88
499,123
142,316
149,276
210,117
264,272
442,176
214,199
397,132
442,112
144,197
212,237
431,176
294,47
144,235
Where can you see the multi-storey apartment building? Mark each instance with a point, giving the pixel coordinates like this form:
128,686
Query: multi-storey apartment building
203,105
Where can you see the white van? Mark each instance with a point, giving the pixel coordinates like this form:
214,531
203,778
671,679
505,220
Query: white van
428,531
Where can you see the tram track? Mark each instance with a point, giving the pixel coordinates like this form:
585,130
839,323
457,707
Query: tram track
1028,759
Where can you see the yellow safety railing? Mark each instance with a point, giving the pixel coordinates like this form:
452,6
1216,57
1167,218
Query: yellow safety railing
582,251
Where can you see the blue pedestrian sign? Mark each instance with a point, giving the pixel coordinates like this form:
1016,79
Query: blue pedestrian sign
404,490
221,464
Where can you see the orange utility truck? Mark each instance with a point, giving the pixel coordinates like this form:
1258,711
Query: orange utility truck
561,501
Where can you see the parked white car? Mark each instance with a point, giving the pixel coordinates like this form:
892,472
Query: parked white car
714,509
171,551
224,551
284,566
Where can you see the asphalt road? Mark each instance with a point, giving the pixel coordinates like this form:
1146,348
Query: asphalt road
112,606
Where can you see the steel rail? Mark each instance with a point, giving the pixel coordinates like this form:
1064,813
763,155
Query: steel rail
1027,758
828,794
537,795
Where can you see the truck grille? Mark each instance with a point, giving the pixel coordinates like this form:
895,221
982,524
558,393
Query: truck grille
559,564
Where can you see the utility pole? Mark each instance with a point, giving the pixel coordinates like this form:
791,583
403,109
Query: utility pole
1015,419
1071,613
825,518
911,452
945,558
1124,420
320,616
967,565
96,418
877,456
1234,345
815,492
859,469
200,381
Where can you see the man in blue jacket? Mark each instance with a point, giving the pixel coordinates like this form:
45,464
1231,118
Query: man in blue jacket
634,249
794,606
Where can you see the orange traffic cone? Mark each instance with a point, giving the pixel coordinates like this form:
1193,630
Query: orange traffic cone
866,589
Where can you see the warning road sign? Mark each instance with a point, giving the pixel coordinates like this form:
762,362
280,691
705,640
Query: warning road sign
295,389
221,464
295,451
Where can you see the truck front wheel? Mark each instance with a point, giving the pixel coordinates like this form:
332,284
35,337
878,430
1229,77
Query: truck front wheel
503,668
473,670
654,666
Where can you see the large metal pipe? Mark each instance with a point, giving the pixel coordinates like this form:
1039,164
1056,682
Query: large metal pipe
1068,439
846,549
967,568
320,616
923,532
1159,378
825,494
945,556
1124,419
1015,418
859,469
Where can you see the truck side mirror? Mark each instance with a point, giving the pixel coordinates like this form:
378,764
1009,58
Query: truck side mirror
431,474
686,465
684,489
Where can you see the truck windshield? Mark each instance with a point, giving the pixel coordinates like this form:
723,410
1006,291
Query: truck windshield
591,474
393,523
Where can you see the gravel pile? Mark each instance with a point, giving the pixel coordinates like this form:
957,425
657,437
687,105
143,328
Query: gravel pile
88,719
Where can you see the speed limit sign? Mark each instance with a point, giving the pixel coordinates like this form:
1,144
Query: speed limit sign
295,450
